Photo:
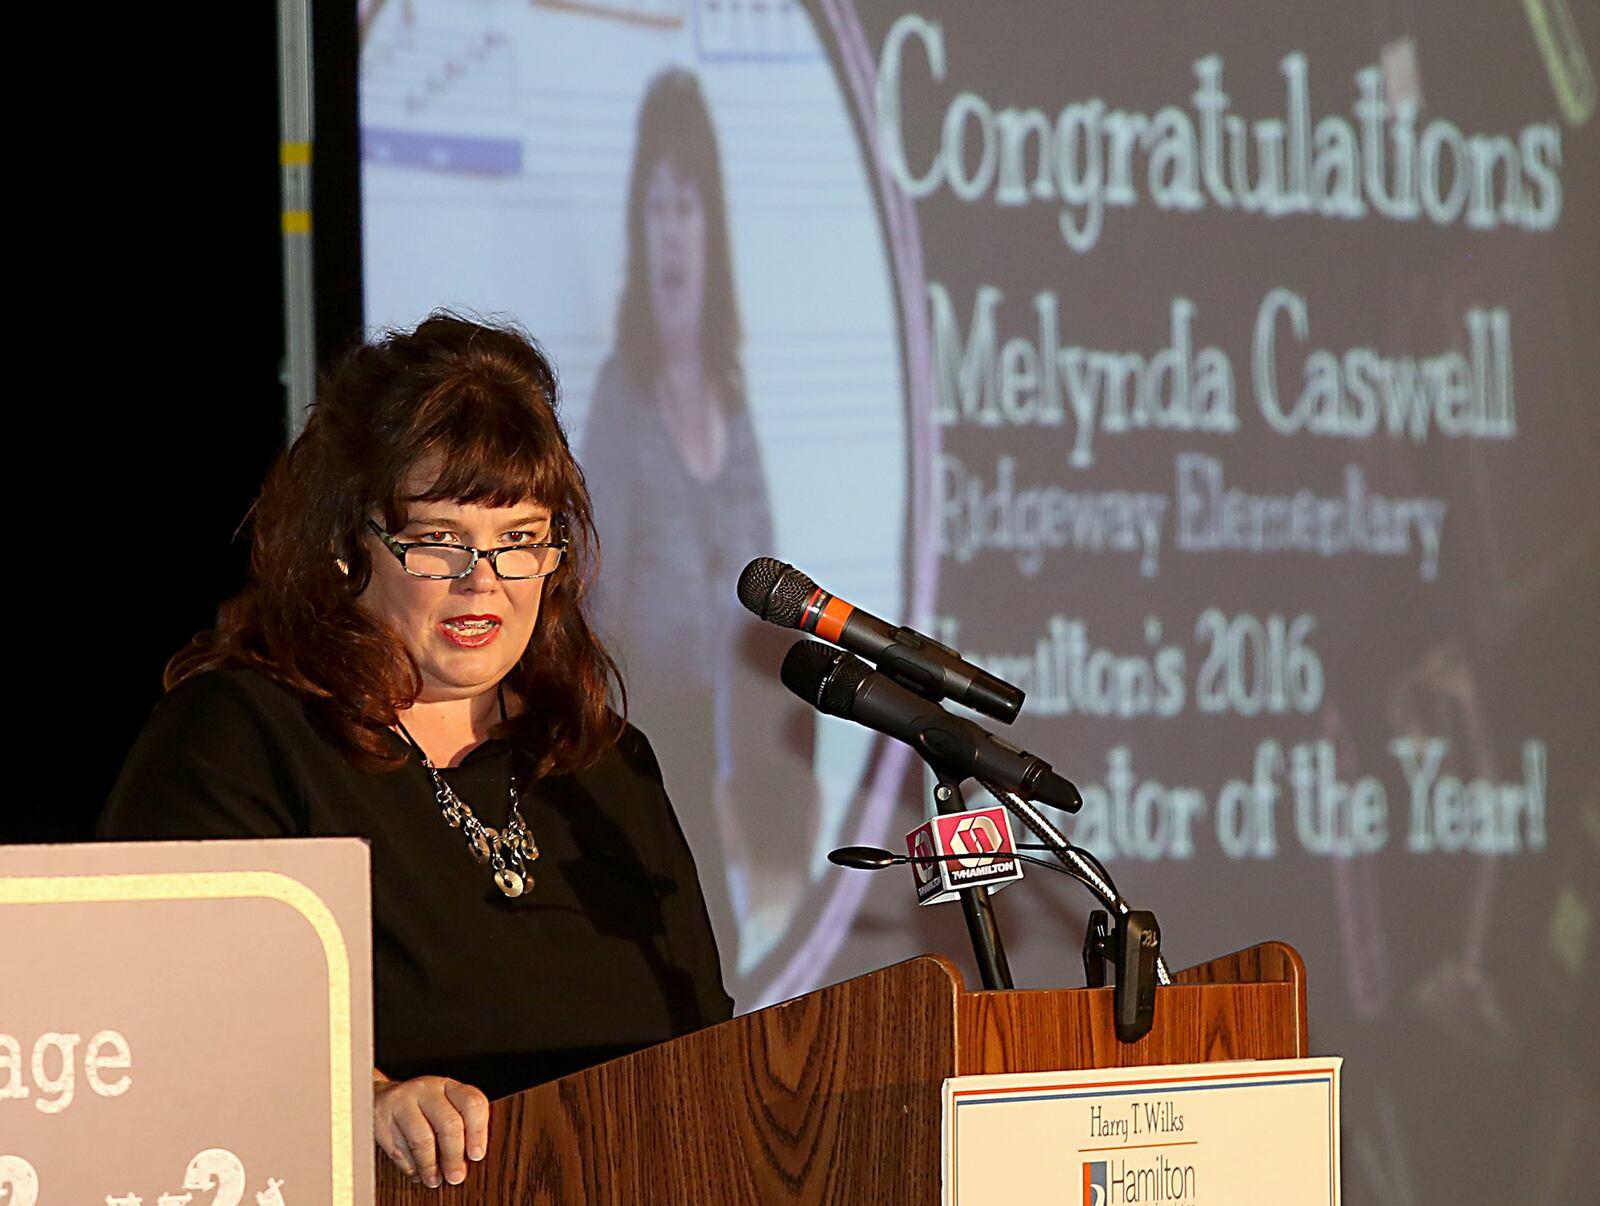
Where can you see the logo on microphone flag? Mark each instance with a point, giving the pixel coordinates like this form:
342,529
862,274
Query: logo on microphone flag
920,844
973,849
1094,1183
977,835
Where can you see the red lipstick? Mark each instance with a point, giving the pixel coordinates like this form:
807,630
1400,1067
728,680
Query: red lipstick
470,631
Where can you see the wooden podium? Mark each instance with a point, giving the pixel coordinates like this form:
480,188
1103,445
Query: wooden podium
834,1097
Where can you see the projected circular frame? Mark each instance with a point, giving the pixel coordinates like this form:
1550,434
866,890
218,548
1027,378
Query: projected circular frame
800,963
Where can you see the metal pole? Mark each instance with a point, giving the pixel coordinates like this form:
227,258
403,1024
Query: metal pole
294,158
982,928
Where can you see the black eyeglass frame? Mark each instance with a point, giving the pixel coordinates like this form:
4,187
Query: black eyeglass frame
401,547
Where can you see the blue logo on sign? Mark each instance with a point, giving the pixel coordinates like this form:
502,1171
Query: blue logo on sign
1094,1183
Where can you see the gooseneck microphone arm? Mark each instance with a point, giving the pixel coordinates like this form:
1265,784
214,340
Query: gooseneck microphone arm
1089,872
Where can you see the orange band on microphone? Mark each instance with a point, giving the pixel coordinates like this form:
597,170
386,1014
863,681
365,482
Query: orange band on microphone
824,615
830,624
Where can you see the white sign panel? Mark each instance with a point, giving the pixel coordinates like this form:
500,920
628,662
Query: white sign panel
1227,1134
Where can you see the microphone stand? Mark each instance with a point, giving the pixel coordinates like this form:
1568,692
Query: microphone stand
982,927
1129,951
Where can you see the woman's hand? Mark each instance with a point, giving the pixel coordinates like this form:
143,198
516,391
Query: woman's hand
430,1126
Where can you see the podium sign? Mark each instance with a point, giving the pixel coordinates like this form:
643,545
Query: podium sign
186,1022
1229,1134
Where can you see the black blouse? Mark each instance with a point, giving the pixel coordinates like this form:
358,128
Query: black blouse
610,951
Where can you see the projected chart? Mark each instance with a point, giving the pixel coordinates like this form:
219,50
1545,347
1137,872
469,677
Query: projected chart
441,98
753,29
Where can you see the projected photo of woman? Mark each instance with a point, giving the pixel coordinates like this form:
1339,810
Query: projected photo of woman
681,504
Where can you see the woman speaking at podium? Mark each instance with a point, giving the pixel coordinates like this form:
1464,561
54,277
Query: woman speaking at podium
411,663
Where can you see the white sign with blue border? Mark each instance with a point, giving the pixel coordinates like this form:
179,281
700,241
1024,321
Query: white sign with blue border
1238,1133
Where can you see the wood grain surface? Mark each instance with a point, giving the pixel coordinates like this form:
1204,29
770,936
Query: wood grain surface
1264,963
1039,1032
829,1098
834,1097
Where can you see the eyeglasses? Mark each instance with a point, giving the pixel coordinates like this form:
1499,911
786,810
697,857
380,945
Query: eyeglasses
516,562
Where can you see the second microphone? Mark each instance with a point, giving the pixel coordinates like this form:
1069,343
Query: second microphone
841,684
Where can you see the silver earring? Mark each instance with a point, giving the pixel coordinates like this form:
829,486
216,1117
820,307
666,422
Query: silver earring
344,566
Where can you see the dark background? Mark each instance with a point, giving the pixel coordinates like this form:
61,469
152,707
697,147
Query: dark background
156,340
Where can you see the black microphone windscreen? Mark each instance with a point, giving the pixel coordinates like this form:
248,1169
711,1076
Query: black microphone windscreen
825,677
839,691
775,591
805,669
756,581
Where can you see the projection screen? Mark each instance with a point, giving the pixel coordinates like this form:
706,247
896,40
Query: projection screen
1221,374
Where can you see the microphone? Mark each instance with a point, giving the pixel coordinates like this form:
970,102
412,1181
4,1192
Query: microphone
782,595
840,684
870,858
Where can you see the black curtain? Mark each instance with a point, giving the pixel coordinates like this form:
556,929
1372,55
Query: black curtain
146,367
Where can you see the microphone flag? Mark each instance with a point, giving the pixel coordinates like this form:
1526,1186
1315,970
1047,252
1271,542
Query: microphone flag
974,849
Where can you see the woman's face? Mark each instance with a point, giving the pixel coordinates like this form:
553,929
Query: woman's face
675,241
465,634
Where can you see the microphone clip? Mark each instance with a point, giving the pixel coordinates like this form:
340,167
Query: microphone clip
1127,952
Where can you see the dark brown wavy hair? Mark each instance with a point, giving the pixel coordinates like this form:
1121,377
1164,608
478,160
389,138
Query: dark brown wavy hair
480,402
